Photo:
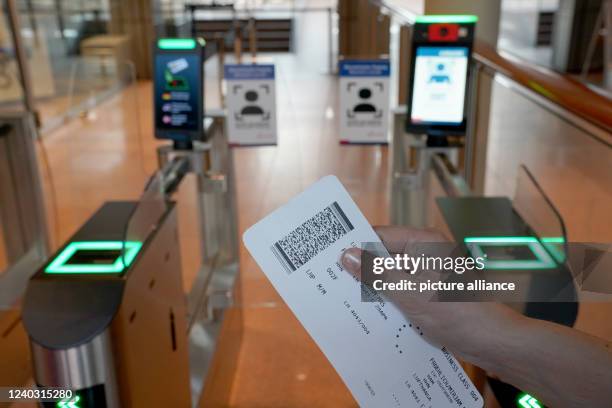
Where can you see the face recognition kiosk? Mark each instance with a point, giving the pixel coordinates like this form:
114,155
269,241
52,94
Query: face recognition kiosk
178,74
439,74
106,316
433,124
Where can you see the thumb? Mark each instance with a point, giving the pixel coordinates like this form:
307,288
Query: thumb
351,261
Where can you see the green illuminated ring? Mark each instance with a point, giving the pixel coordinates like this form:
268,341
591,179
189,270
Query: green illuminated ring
555,247
543,261
59,266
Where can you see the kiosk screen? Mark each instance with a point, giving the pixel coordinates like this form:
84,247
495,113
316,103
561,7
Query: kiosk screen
438,94
177,97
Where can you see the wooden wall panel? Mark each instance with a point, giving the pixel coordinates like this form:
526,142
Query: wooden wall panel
404,63
135,19
364,31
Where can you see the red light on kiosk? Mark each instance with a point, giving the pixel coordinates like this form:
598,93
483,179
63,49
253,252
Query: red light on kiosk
443,32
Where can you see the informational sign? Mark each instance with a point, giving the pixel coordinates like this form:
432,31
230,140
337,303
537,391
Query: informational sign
178,84
364,101
251,104
439,85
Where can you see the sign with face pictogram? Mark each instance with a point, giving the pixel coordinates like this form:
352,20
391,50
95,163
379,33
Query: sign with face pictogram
251,104
364,101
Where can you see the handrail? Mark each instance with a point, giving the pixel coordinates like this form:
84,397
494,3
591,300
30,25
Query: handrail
452,181
562,90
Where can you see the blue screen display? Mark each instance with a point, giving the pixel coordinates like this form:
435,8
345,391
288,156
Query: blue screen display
177,92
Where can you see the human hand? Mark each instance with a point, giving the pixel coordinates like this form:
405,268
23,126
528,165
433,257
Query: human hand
462,327
538,357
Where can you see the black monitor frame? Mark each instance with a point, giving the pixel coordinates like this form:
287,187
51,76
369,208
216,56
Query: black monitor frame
432,128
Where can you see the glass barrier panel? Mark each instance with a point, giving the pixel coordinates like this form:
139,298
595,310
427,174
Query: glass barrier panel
148,210
56,36
539,213
11,93
98,153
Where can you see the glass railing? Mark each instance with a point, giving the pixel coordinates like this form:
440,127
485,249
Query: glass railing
58,37
59,179
572,163
91,81
11,94
526,29
100,140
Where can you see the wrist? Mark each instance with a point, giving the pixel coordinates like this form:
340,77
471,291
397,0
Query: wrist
494,342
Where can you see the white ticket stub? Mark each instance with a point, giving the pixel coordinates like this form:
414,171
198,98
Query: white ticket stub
383,360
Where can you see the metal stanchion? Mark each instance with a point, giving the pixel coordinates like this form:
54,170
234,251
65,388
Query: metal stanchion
472,124
212,293
238,42
411,165
212,165
221,67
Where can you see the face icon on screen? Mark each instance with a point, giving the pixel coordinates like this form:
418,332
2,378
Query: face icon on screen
253,109
365,103
440,74
439,85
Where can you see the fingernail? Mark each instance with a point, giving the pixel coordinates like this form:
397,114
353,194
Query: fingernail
351,259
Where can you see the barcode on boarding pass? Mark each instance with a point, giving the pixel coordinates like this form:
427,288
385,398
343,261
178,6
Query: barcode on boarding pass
313,236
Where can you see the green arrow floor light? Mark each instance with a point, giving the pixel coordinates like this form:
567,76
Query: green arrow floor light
72,402
527,401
